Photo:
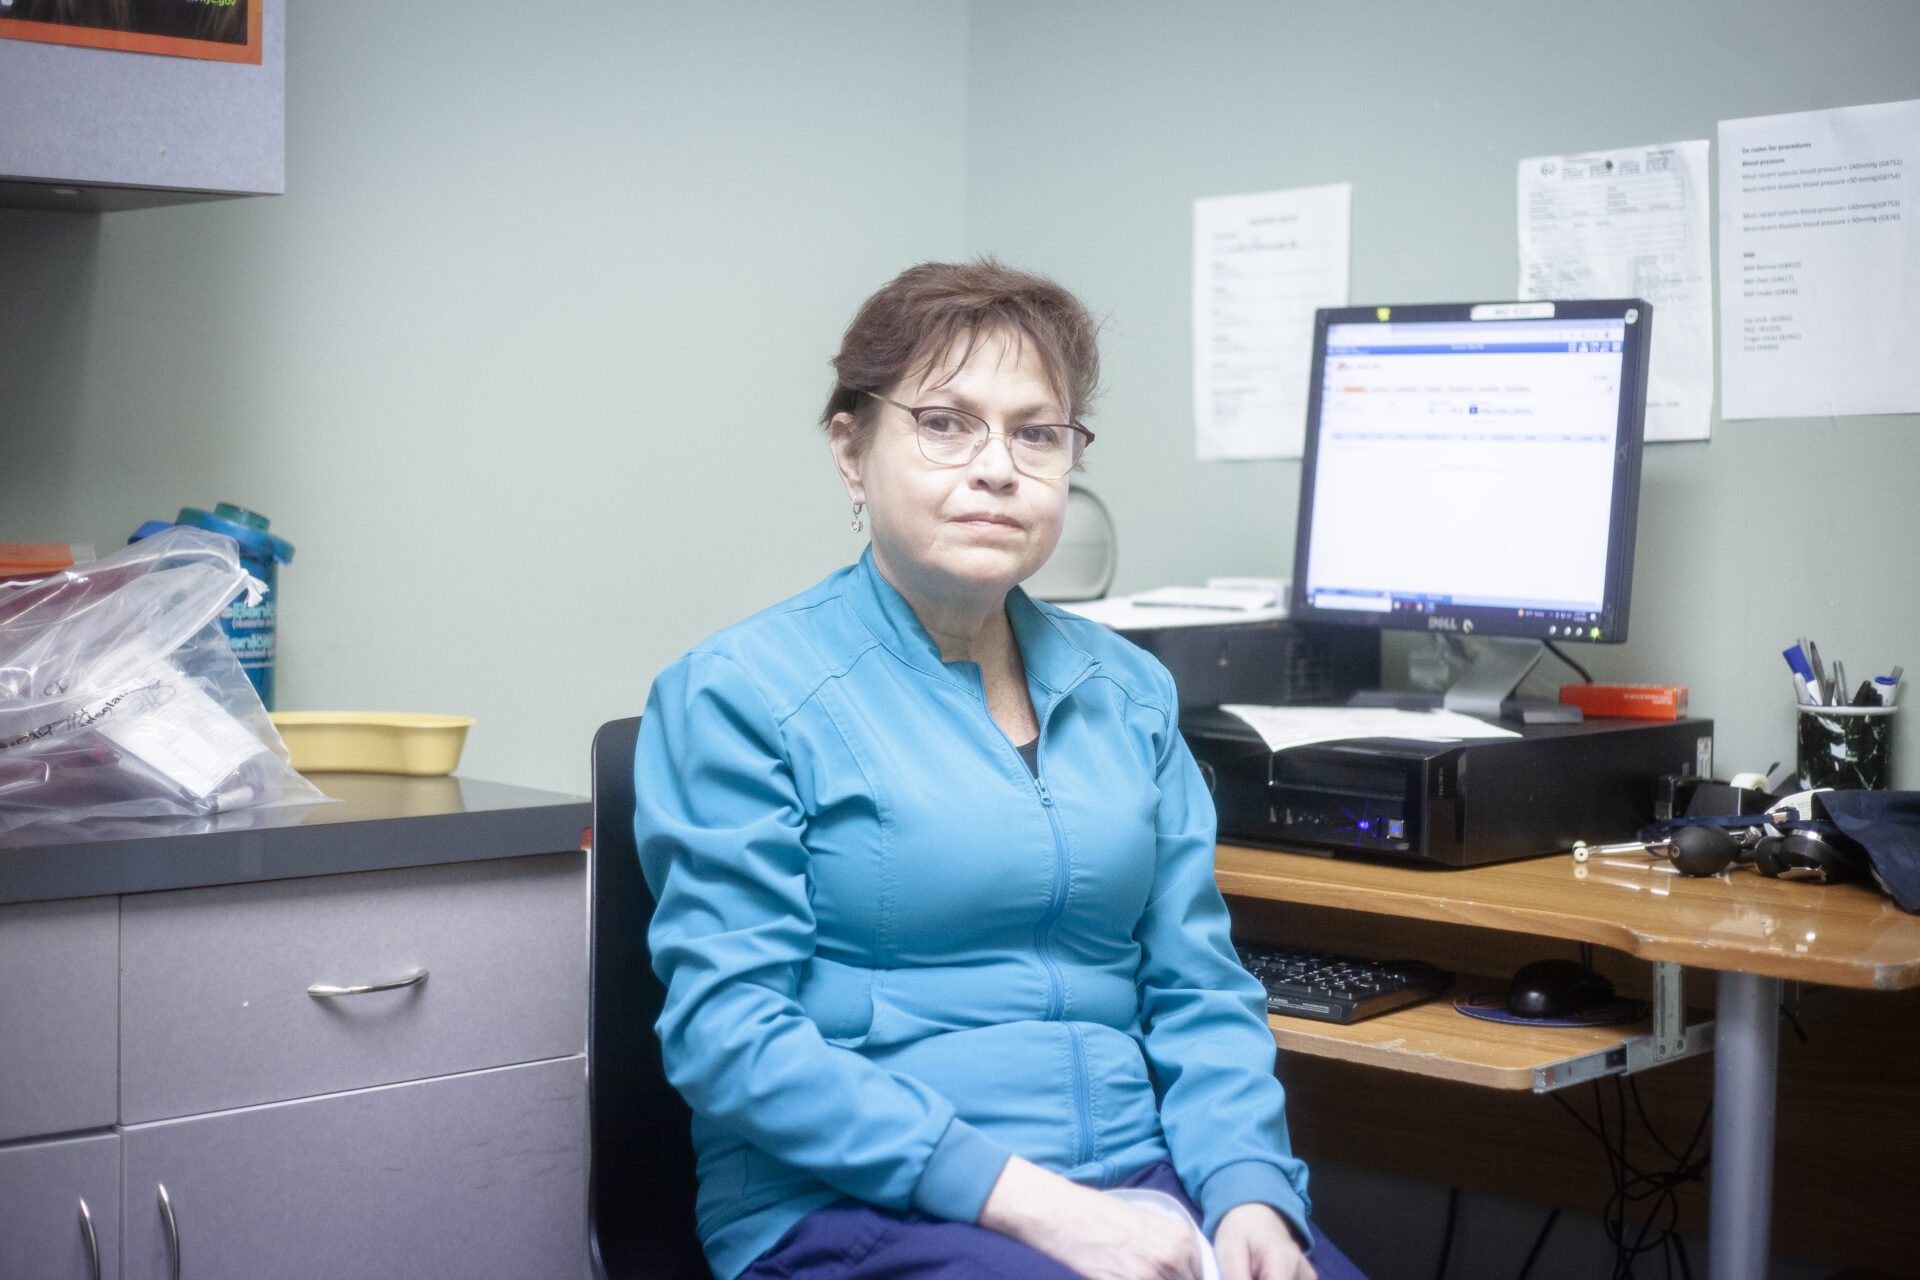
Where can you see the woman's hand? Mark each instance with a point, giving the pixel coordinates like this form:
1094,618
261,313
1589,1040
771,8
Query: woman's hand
1097,1236
1253,1242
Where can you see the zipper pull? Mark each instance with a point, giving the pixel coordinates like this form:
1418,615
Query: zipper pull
1046,796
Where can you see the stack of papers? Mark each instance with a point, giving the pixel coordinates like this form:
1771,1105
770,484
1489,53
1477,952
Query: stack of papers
1283,727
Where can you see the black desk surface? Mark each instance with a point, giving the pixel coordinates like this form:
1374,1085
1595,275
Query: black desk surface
380,821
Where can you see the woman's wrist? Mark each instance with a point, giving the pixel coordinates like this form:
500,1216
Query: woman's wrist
1264,1212
1013,1206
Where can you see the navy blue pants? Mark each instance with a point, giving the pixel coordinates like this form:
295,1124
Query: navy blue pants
854,1241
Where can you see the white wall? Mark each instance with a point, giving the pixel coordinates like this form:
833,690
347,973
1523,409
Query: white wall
526,361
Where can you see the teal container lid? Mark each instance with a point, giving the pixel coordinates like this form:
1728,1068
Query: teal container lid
248,528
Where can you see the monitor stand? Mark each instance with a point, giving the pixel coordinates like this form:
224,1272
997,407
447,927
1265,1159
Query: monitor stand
1484,689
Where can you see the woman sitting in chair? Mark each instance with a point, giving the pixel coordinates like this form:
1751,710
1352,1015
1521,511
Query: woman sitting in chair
943,951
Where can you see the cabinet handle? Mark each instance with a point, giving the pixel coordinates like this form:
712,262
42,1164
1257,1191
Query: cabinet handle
173,1228
93,1241
321,991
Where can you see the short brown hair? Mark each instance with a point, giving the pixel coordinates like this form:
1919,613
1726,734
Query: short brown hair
919,316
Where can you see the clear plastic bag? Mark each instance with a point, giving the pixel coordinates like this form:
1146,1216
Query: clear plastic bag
119,697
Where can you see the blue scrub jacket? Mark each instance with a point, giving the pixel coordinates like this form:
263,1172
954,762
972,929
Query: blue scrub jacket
894,957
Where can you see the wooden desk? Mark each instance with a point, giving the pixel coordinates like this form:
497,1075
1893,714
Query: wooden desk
1754,933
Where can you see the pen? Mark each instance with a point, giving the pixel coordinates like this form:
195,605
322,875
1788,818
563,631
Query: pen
1868,695
1839,682
1819,672
1801,691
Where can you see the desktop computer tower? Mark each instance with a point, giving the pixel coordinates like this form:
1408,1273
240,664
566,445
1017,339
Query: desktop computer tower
1455,804
1271,664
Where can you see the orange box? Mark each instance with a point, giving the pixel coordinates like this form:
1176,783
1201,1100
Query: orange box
1627,701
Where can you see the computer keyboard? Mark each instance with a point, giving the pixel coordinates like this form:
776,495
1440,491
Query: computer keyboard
1305,983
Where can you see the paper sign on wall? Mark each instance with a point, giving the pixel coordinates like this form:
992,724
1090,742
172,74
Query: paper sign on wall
1820,263
1632,223
1261,265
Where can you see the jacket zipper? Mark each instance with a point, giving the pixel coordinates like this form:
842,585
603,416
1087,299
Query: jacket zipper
1056,904
1056,986
1056,907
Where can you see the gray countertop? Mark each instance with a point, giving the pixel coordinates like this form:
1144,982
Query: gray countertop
380,821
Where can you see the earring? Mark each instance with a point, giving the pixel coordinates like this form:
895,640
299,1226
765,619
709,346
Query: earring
858,524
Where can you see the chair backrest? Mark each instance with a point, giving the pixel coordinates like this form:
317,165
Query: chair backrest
640,1191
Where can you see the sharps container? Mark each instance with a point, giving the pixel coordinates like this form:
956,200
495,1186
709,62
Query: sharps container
248,628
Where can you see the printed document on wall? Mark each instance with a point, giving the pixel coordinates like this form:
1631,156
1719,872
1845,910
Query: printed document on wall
1820,263
1261,265
1632,223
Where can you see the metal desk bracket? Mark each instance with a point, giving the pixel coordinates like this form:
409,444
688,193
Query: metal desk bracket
1670,1040
1669,1012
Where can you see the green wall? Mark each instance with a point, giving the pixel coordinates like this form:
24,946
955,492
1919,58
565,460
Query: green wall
526,360
1092,127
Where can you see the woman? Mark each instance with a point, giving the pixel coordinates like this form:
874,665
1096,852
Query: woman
943,951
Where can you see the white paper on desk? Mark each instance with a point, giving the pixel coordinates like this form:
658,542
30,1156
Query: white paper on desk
1820,262
1283,727
1262,263
1632,223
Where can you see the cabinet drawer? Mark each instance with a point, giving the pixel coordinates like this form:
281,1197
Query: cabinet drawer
216,1010
59,1015
43,1233
478,1176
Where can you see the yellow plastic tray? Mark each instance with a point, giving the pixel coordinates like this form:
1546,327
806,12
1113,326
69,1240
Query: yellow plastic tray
372,741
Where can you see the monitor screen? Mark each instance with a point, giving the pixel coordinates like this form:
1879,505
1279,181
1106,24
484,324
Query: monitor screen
1473,468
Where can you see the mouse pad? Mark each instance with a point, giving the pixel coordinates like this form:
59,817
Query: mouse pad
1492,1007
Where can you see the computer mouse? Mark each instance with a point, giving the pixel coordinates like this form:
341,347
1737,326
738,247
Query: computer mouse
1556,989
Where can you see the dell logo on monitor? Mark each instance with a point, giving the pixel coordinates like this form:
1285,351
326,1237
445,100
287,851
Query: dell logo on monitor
1437,623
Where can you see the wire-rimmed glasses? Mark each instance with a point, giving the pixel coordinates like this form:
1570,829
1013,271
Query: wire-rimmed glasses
952,437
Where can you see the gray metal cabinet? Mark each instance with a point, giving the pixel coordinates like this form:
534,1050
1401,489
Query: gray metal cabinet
478,1175
60,1209
59,1015
217,1003
367,1070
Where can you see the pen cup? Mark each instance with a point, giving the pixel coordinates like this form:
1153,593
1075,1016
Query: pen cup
1846,747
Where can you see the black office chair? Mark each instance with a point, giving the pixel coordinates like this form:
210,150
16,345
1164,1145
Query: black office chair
641,1175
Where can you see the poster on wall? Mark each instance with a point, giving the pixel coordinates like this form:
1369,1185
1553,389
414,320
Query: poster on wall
1261,264
216,30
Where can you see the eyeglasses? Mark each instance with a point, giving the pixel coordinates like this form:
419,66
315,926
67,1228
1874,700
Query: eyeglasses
952,438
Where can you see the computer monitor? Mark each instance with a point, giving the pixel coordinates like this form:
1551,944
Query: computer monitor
1473,469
